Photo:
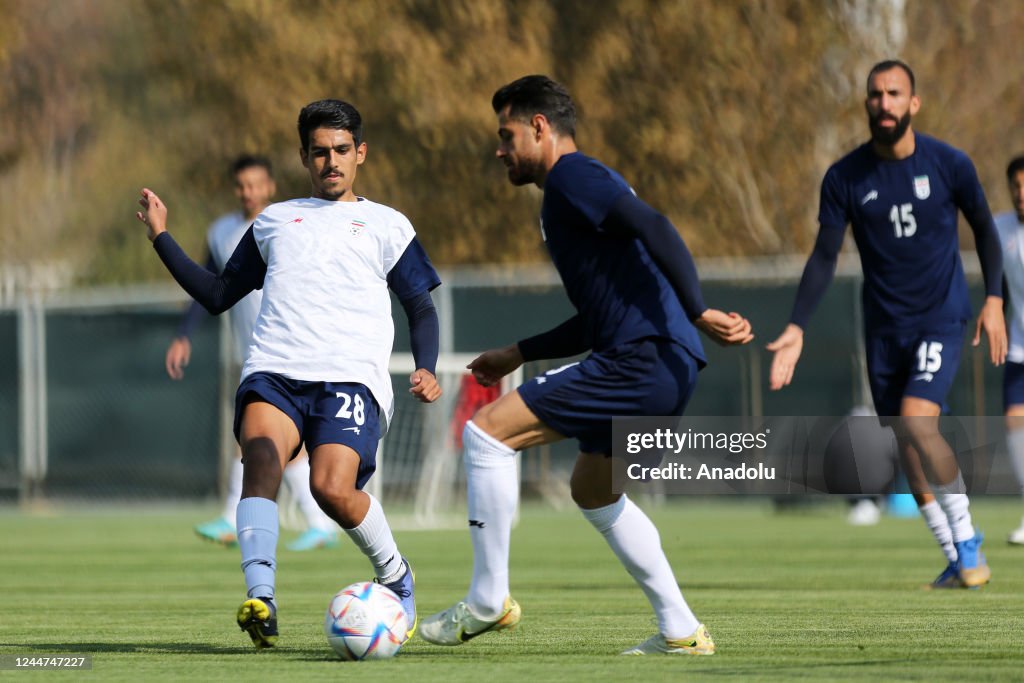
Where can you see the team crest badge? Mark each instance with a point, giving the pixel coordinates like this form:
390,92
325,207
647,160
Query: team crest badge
355,228
922,190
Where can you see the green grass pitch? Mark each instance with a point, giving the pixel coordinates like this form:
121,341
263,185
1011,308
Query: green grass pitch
787,597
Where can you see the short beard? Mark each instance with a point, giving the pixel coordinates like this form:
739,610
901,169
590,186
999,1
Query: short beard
519,180
526,174
333,194
888,136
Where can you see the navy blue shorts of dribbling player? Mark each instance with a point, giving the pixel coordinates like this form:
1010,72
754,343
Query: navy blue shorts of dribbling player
650,376
1013,384
918,364
324,413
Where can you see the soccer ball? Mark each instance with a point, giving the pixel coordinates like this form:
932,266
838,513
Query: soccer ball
365,621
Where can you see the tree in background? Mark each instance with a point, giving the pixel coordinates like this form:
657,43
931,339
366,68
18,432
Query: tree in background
722,115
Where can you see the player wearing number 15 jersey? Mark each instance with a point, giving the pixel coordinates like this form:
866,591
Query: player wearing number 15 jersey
317,369
901,192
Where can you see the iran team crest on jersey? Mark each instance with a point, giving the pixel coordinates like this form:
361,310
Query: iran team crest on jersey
355,228
922,189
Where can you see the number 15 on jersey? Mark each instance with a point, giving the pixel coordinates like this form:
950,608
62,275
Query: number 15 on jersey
902,218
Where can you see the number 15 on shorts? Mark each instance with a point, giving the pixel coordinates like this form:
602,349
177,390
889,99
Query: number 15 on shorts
929,359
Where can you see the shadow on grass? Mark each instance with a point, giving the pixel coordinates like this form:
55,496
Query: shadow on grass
529,660
192,648
318,654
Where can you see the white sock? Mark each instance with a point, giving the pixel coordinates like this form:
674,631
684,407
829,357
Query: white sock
373,537
955,505
1015,443
257,539
636,542
296,477
492,493
936,520
234,491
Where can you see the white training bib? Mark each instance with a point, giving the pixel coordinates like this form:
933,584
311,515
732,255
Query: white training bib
1011,238
326,311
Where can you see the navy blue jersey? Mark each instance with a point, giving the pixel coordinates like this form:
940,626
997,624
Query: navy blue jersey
904,218
619,292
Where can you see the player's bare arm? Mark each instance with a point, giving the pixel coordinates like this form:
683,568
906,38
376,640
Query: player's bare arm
818,273
992,321
725,329
490,366
787,350
178,355
424,386
153,214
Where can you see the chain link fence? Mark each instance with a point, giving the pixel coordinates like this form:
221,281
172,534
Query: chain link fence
87,410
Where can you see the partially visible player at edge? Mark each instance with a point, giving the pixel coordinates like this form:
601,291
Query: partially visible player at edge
1010,225
317,370
635,288
901,192
253,178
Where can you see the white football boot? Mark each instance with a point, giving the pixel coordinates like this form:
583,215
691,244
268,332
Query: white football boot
457,624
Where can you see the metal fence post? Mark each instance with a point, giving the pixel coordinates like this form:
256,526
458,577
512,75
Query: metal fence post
32,395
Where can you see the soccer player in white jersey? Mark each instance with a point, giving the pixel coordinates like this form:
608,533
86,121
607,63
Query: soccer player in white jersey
1010,225
317,369
638,301
902,192
253,178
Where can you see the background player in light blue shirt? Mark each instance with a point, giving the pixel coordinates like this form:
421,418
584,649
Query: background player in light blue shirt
1011,235
901,193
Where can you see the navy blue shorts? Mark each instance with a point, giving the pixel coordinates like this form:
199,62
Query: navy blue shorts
324,413
919,364
1013,384
639,378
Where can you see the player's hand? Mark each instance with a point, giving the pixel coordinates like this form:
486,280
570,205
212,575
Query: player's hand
153,214
991,319
490,366
178,355
724,329
425,388
787,350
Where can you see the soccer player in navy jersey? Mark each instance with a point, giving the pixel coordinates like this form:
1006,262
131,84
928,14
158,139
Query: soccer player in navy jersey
901,192
317,368
638,302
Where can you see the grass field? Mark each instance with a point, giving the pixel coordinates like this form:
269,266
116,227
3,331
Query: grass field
786,597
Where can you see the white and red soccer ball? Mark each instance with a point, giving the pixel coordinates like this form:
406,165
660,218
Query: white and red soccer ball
365,621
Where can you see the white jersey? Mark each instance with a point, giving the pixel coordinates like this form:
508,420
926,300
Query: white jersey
1011,238
326,312
222,238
